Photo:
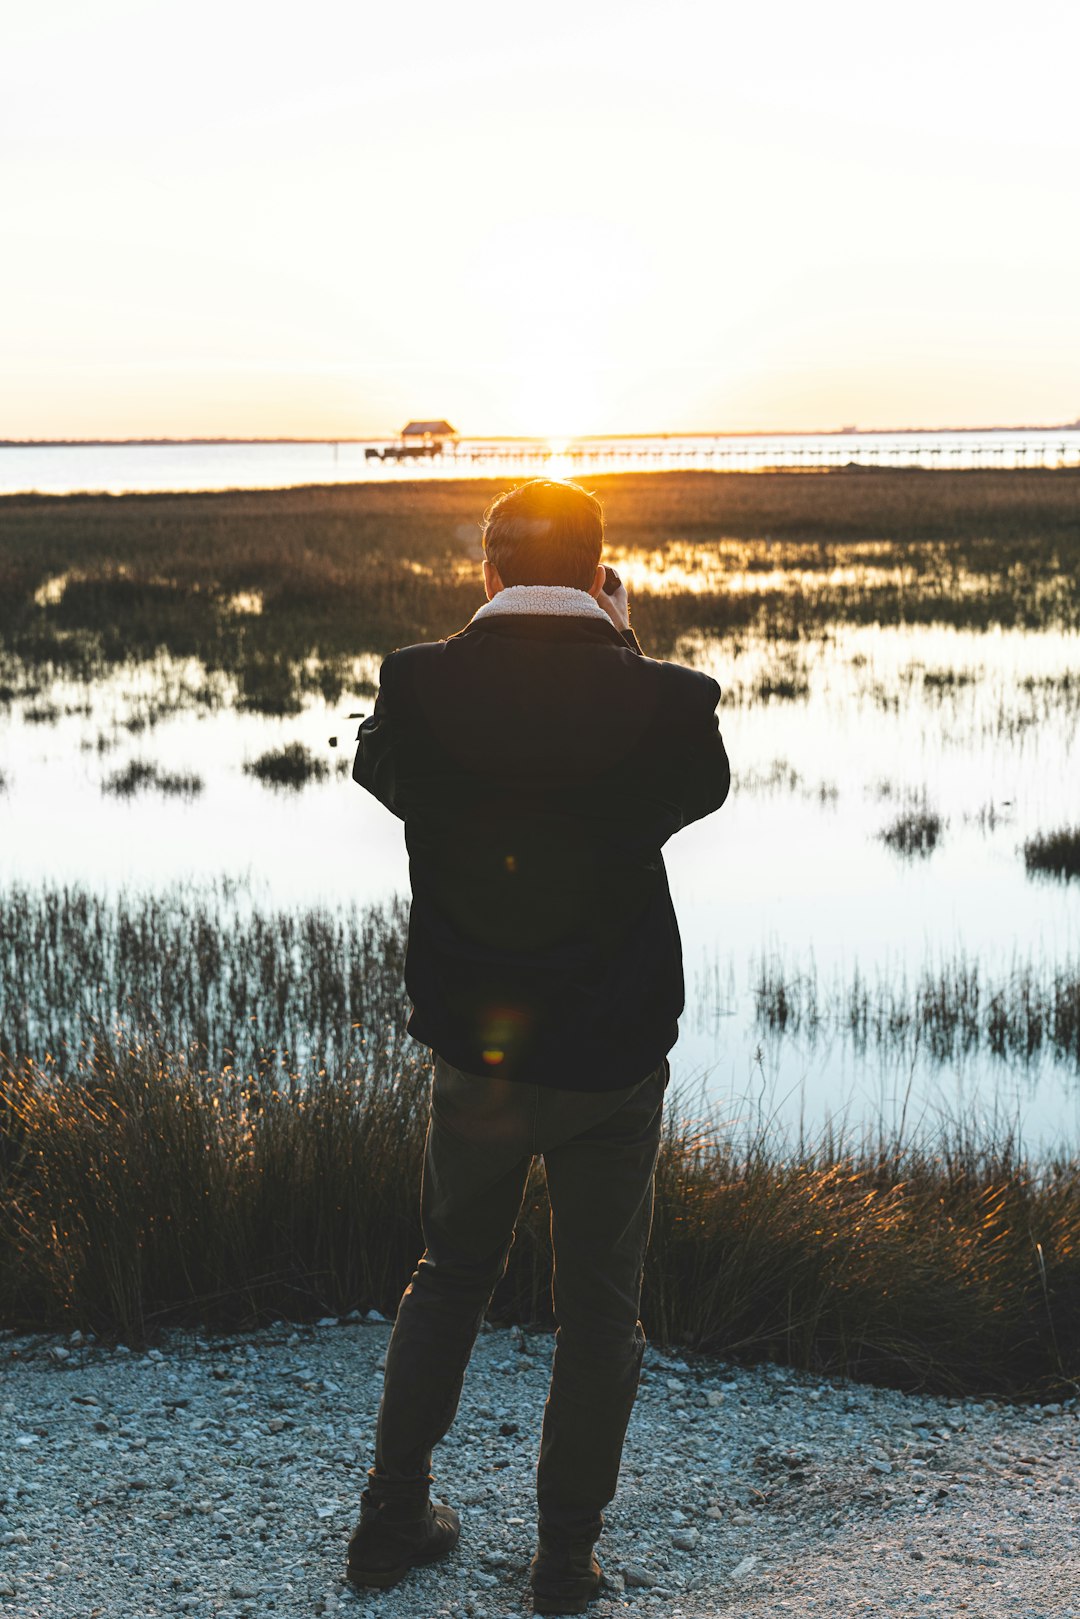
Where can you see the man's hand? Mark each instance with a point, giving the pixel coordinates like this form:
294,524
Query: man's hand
617,605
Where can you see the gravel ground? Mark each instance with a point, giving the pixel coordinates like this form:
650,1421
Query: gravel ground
223,1479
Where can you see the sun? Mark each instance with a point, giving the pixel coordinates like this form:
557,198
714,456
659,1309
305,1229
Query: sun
555,395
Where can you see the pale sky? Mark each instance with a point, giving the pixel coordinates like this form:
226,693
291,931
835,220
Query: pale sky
321,219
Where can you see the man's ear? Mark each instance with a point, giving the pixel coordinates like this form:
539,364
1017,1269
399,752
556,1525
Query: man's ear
598,581
492,583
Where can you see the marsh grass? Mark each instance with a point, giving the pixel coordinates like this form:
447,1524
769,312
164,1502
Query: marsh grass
292,765
199,966
786,682
147,1190
916,831
142,775
42,714
246,1145
949,1011
1054,854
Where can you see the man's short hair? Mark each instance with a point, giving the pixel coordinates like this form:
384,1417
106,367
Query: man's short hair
545,533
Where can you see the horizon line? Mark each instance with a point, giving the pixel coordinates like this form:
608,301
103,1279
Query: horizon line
535,438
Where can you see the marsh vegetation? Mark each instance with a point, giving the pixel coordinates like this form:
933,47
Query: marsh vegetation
293,765
282,589
144,1188
144,775
917,830
204,970
1055,854
953,1008
210,1111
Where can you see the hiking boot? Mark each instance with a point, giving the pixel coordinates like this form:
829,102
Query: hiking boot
564,1576
390,1539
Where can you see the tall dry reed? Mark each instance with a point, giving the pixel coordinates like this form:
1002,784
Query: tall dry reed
145,1190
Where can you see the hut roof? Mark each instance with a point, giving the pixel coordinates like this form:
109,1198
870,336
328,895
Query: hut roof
428,430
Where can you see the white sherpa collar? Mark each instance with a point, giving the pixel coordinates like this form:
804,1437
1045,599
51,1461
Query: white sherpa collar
561,601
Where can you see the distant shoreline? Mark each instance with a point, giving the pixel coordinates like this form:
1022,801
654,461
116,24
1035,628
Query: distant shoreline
521,438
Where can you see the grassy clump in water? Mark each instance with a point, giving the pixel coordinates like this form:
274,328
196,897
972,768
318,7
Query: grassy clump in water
141,775
41,713
1054,854
915,832
147,1190
293,765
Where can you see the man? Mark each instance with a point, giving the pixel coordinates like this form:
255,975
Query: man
539,761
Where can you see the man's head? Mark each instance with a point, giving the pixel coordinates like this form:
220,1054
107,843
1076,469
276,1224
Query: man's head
544,533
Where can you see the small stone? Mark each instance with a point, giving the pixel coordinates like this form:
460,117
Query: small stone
377,1317
741,1570
685,1540
636,1577
7,1586
880,1466
715,1397
327,1321
59,1353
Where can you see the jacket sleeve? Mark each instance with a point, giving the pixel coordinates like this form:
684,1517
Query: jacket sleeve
702,773
375,767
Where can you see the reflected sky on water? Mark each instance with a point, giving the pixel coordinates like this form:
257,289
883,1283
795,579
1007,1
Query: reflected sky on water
830,740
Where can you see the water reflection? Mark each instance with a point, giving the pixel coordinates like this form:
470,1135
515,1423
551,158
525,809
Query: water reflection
832,740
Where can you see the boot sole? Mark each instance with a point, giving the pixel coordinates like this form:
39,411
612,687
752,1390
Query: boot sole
544,1603
577,1605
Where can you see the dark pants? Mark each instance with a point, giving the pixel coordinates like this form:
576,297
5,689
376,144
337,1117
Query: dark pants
599,1152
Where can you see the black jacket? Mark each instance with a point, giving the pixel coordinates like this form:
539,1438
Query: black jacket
539,764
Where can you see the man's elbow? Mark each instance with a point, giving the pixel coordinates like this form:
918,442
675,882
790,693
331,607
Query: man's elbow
719,783
723,782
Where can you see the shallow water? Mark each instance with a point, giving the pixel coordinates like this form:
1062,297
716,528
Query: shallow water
979,728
